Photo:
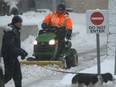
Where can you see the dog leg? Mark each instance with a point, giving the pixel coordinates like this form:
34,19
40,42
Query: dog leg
99,82
113,82
109,84
91,85
81,85
74,85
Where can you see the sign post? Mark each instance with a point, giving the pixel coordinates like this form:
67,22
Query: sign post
98,54
115,61
97,23
53,5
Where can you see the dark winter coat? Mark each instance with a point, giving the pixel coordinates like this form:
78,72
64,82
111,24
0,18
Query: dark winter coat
11,45
11,49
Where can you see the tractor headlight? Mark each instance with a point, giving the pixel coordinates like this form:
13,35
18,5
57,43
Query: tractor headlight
35,42
52,42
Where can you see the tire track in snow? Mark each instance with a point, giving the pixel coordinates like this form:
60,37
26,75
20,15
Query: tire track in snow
50,81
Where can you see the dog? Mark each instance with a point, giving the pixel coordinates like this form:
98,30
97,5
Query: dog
90,80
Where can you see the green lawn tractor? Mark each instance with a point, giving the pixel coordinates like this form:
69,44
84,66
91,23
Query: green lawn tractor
48,50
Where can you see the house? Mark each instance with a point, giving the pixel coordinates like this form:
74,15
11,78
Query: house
79,6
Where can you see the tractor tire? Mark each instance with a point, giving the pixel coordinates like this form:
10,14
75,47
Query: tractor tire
74,57
72,60
68,62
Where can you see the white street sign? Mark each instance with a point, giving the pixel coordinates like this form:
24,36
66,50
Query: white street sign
97,21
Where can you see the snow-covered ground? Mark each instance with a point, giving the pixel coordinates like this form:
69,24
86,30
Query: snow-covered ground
85,44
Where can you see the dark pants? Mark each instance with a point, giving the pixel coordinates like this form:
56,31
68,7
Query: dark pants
1,78
12,71
61,38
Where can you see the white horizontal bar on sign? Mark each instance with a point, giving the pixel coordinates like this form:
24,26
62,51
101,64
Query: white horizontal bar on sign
97,18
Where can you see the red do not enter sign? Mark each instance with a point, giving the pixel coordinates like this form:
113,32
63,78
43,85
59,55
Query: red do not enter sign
97,18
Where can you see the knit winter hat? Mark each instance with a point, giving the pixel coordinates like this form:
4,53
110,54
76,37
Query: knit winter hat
16,19
61,6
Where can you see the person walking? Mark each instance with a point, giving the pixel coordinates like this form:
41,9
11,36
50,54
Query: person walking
11,49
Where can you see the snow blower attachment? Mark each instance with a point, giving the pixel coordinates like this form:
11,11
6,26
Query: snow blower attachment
48,50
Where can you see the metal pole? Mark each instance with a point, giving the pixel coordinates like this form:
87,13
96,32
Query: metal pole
98,54
53,5
115,61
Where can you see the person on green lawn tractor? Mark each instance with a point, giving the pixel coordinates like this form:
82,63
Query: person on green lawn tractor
60,21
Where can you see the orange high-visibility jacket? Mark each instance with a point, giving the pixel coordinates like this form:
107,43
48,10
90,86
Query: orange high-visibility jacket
54,19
